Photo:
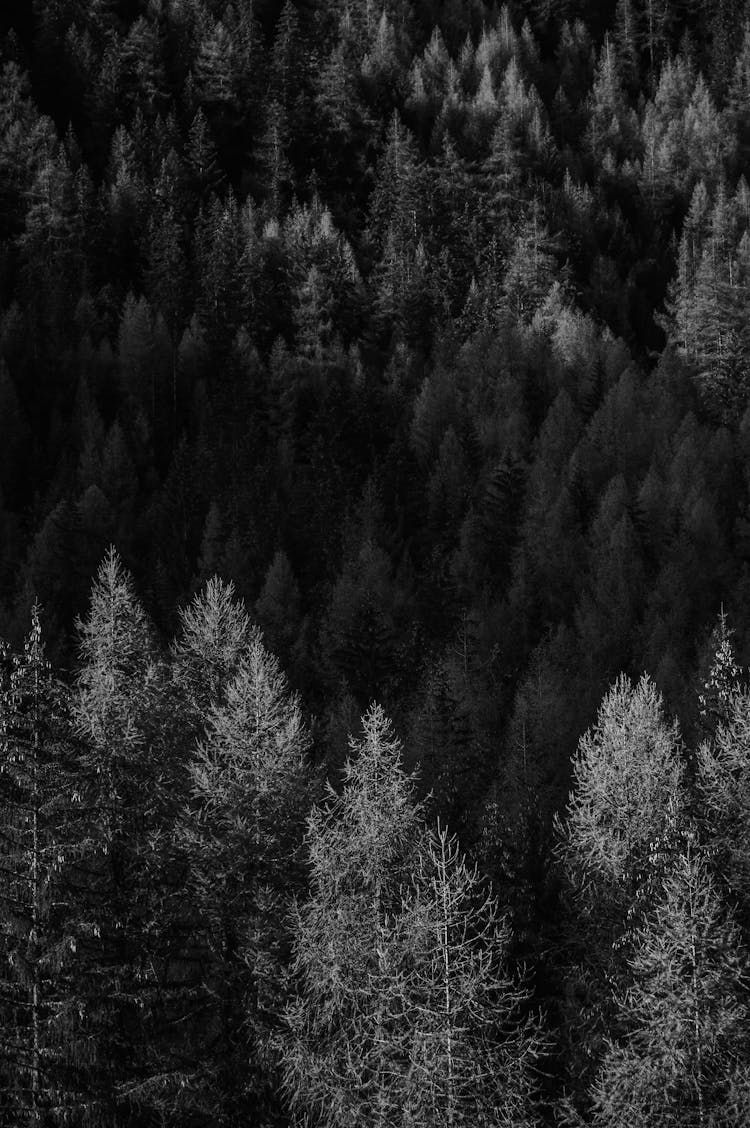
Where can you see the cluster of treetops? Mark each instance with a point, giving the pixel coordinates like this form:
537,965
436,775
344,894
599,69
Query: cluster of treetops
198,929
426,325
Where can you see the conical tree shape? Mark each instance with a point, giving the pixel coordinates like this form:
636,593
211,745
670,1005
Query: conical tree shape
215,634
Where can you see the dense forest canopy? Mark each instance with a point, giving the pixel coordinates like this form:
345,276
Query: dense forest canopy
374,562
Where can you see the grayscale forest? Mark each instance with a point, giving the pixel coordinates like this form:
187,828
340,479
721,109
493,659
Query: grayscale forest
374,564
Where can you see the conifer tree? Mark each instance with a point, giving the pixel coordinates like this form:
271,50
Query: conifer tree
612,126
242,835
405,1011
215,635
471,1054
626,39
723,783
716,698
624,822
681,1057
127,788
37,1075
625,797
278,609
348,1043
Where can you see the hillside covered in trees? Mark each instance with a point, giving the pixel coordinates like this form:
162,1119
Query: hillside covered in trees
374,563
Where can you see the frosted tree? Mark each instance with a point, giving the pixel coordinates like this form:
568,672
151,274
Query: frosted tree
215,633
471,1055
345,1059
241,834
723,784
405,1012
720,687
681,1058
624,823
36,1078
126,792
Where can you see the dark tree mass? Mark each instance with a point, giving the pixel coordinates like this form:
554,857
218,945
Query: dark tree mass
374,563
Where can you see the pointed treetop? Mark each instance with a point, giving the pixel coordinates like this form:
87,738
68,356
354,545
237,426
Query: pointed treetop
715,700
116,632
215,634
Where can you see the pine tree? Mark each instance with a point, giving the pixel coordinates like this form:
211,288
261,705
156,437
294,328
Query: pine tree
612,126
202,162
625,797
655,25
738,97
396,202
312,316
530,270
